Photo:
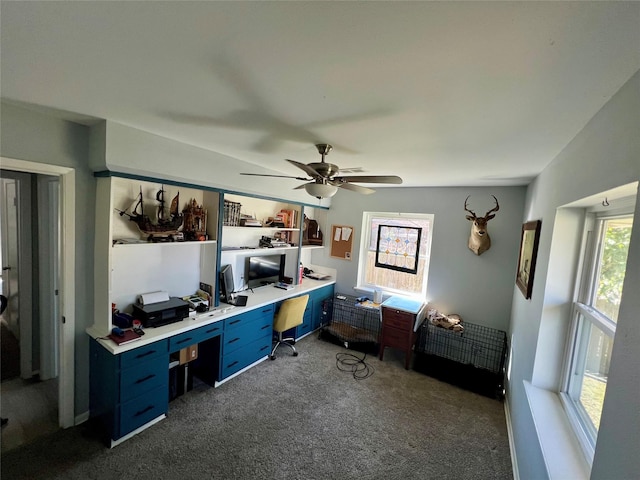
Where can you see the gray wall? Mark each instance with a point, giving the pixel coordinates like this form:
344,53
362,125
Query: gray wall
28,135
604,155
479,288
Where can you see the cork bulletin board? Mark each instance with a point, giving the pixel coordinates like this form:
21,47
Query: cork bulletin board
341,241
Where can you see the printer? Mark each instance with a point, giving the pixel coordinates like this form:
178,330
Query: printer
161,313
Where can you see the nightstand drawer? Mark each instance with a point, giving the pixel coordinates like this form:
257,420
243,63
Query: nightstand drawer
398,319
393,337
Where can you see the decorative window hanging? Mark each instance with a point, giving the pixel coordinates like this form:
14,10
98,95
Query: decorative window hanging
398,248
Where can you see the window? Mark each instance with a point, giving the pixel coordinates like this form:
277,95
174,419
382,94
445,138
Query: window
395,270
595,313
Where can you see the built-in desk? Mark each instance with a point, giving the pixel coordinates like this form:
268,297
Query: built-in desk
130,383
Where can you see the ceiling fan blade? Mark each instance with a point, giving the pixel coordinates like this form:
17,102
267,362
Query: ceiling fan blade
393,179
309,171
278,176
353,188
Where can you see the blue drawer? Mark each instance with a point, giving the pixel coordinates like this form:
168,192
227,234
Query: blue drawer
210,331
304,328
143,409
183,340
197,335
239,359
137,355
143,377
240,321
239,337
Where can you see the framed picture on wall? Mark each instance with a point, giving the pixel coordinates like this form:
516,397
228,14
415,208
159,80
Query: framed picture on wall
527,259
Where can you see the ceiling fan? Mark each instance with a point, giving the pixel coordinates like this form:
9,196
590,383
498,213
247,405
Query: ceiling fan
325,179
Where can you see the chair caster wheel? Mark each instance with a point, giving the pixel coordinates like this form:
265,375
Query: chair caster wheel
272,357
295,354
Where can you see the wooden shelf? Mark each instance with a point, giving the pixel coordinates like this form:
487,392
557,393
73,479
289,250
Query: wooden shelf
146,244
281,229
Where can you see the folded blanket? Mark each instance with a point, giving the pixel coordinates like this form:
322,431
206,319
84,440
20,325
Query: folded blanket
449,322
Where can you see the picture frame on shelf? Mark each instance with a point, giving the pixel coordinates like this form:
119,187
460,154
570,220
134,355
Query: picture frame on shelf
529,241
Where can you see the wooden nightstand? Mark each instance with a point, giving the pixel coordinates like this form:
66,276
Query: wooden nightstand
400,320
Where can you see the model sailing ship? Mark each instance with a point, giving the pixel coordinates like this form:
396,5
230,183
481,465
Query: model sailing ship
166,228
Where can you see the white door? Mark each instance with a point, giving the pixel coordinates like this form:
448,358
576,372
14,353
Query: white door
16,213
9,241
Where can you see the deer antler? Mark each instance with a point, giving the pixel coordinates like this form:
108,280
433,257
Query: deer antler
494,209
466,209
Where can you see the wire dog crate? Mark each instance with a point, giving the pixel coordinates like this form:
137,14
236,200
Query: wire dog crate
472,359
351,323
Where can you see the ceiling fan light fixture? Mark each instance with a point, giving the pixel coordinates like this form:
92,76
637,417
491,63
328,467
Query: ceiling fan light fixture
320,190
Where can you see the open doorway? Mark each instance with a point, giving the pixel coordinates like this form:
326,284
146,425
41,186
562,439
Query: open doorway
37,236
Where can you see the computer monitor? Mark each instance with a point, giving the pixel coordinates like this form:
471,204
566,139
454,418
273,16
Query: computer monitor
227,288
226,284
264,270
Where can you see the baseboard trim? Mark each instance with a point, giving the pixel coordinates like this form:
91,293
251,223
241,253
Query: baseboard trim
512,445
115,443
83,417
217,383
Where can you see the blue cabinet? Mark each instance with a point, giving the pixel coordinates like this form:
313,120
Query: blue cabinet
130,389
313,314
247,338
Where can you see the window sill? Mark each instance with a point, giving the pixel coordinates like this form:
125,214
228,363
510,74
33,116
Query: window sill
562,453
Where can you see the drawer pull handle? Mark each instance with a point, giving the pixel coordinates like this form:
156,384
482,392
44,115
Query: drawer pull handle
146,354
143,411
234,340
232,364
234,322
266,326
148,377
213,330
266,310
184,340
264,348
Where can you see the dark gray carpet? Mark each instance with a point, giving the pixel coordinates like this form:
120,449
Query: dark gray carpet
9,354
300,418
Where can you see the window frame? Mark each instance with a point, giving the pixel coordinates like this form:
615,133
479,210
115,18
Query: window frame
583,317
365,242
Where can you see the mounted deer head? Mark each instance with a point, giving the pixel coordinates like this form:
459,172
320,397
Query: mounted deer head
479,240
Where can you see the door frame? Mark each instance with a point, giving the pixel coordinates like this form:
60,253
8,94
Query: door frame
22,183
48,262
66,384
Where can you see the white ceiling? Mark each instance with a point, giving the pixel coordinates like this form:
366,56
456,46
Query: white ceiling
440,93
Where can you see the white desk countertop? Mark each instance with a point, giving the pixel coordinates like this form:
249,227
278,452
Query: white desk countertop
257,298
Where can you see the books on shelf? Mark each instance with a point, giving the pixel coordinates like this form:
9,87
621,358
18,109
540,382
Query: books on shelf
128,337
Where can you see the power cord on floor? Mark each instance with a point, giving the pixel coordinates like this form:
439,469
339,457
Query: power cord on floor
348,362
